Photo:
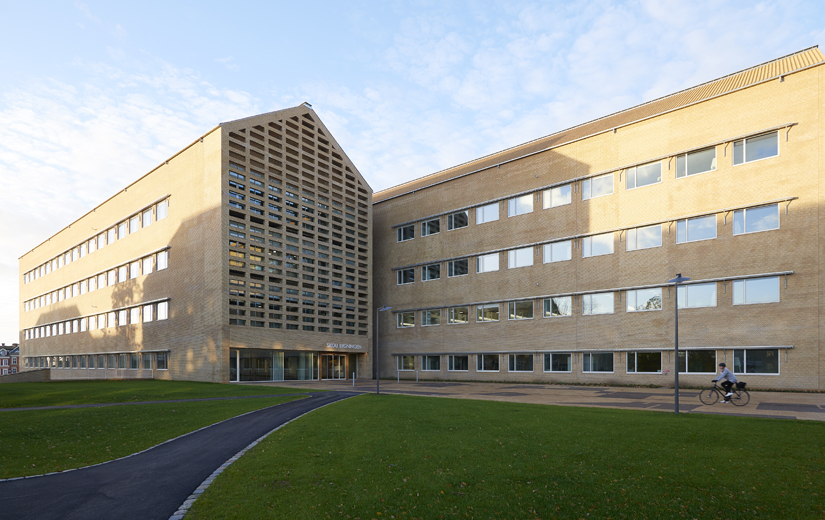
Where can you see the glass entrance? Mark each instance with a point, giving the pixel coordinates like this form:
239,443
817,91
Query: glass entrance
333,366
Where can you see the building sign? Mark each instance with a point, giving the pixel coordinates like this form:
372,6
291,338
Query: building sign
342,345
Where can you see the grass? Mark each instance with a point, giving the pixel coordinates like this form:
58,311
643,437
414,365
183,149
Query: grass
404,457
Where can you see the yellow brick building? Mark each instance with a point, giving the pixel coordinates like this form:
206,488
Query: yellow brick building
245,256
550,261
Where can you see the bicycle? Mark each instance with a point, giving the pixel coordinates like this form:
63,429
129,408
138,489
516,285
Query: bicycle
739,397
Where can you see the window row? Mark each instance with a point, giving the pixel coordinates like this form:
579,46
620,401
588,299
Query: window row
134,361
119,318
297,326
146,265
745,292
127,227
692,163
745,361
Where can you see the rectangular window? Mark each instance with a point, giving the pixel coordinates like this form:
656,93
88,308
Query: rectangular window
600,303
405,276
697,162
558,196
163,310
520,257
698,361
644,362
753,220
458,315
458,267
694,229
520,362
163,260
756,290
134,315
111,236
405,233
147,313
558,251
521,310
597,245
431,363
147,218
122,231
134,224
405,319
147,265
430,317
644,175
756,148
520,205
133,361
406,363
487,362
134,270
597,186
644,300
146,361
162,208
458,220
489,312
430,272
761,361
558,306
488,213
697,295
122,317
111,319
122,274
558,362
458,363
430,227
162,360
597,362
487,263
644,237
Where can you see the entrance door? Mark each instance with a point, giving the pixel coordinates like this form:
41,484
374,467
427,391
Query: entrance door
333,366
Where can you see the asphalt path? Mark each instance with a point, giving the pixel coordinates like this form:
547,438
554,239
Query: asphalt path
152,484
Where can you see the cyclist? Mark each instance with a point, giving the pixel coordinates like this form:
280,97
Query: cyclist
729,380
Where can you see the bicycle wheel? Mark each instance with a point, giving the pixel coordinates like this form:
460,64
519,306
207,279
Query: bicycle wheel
740,398
709,396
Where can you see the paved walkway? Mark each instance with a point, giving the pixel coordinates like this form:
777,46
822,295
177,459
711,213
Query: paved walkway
151,484
781,405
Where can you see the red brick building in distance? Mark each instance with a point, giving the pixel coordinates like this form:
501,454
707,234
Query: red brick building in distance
9,359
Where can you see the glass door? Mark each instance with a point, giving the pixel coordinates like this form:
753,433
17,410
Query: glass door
333,366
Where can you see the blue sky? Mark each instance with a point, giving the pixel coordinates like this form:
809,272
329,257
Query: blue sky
94,94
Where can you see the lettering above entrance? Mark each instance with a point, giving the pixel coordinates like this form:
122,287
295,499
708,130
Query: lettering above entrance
342,345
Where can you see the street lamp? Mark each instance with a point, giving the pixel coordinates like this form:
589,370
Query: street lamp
377,359
676,281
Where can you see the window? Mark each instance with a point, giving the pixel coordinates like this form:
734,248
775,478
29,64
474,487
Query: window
147,361
487,362
644,300
644,175
430,272
753,220
430,317
600,303
487,263
111,320
521,310
431,363
697,295
597,362
162,209
460,219
693,163
520,362
597,186
597,245
694,229
755,148
163,310
558,251
698,362
134,270
122,317
756,290
406,276
558,196
644,362
122,275
147,265
458,267
406,233
458,315
558,306
430,227
520,205
147,313
644,237
560,362
147,218
488,213
134,315
487,312
162,360
406,362
520,257
458,363
134,224
761,361
163,260
406,319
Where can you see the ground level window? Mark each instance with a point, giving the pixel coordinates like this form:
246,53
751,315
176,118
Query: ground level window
560,362
458,363
762,361
487,362
597,362
521,363
644,362
431,363
697,361
406,362
162,360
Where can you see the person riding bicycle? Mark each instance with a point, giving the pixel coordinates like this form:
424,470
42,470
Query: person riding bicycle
729,380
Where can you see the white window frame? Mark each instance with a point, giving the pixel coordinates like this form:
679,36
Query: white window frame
399,233
451,220
686,158
451,363
544,307
587,188
551,354
744,213
631,173
481,213
511,310
425,225
511,364
425,365
591,371
633,294
398,276
551,196
632,238
587,245
480,363
685,223
519,257
635,354
587,303
425,272
451,268
744,370
744,286
401,322
400,362
514,208
451,315
745,149
425,317
480,312
550,258
685,290
480,261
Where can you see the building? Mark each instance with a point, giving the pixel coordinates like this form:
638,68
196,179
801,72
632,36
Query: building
550,261
9,359
245,256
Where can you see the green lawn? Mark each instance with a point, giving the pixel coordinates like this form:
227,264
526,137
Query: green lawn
403,457
56,393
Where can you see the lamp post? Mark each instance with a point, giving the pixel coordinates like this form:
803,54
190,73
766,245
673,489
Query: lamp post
377,358
676,281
